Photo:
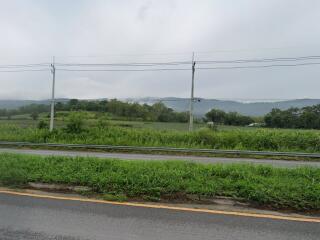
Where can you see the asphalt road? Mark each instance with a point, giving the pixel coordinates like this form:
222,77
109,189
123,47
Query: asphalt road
131,156
24,217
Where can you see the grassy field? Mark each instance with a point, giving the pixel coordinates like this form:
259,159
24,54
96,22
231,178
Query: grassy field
121,123
296,189
92,119
28,122
135,133
255,139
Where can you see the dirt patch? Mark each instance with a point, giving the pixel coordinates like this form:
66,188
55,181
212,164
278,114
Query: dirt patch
58,187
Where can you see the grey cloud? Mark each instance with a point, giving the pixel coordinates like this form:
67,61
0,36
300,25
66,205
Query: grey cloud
145,30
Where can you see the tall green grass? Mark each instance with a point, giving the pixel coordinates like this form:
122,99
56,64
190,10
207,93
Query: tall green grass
258,139
297,189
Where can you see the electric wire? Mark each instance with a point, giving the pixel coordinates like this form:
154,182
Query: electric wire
282,59
134,64
26,70
164,66
123,70
259,66
25,65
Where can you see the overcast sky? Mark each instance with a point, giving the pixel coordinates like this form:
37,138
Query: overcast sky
108,31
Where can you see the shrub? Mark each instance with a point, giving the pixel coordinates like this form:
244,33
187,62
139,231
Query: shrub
75,123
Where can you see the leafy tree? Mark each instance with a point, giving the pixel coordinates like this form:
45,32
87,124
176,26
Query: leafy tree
231,118
216,116
306,117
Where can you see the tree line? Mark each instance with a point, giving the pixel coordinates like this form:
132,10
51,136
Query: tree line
303,118
130,111
306,117
33,109
227,118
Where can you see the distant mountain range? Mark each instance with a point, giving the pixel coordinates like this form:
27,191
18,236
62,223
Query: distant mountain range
200,107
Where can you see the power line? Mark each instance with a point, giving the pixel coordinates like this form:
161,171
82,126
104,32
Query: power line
25,65
123,70
186,69
282,59
26,70
136,64
260,66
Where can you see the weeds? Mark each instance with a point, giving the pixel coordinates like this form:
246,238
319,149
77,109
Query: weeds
259,139
114,197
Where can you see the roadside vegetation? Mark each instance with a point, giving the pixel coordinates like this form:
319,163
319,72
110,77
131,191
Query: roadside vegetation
107,122
105,133
102,132
264,186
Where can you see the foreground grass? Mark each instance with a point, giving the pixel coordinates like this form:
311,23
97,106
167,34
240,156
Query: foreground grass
258,139
297,189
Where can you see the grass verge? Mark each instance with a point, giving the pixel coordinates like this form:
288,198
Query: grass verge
265,186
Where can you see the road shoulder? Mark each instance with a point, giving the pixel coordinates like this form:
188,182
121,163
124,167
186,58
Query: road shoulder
220,208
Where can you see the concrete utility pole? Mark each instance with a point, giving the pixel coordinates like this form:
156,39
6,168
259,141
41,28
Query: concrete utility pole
192,94
53,71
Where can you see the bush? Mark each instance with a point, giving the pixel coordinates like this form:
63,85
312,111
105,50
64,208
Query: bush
75,123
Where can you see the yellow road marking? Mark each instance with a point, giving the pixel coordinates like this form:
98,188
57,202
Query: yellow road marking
220,212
